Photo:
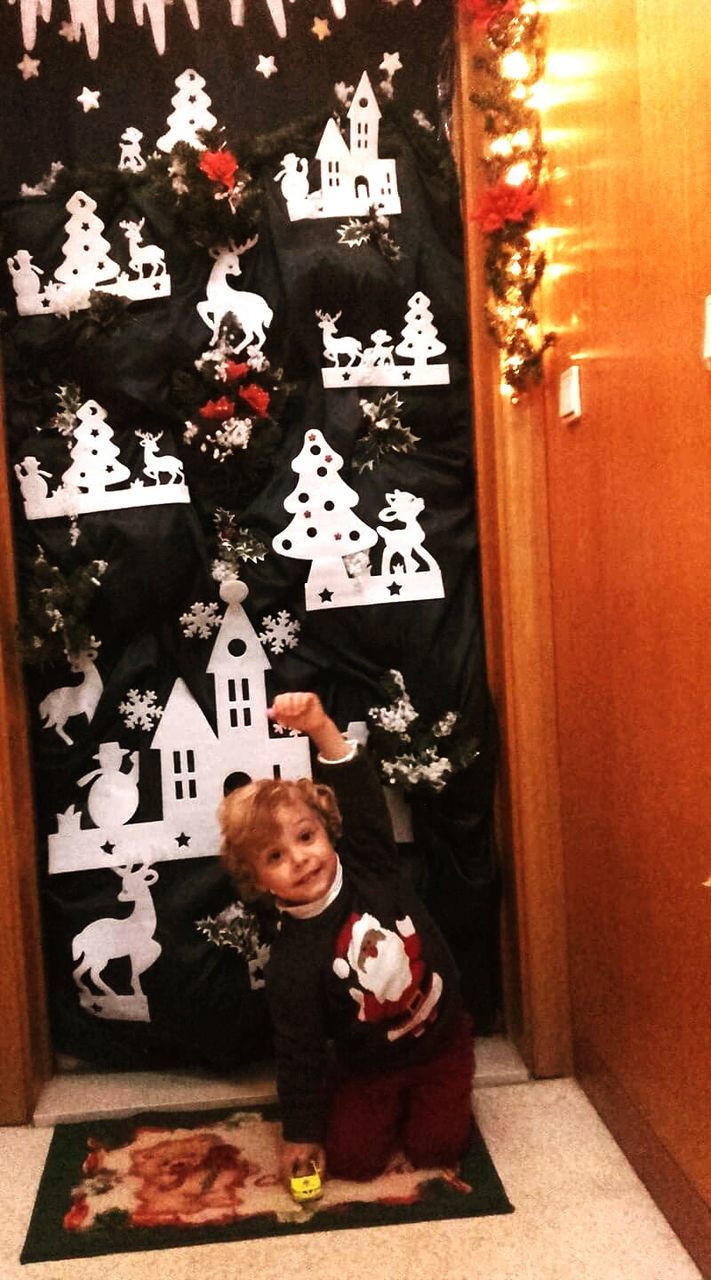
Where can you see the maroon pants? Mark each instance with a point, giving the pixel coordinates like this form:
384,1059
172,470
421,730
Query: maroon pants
424,1111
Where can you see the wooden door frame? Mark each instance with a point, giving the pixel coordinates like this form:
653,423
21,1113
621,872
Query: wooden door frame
510,458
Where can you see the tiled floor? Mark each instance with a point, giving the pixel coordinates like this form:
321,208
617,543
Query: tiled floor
581,1213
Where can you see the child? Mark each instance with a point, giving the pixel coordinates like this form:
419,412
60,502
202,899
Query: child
357,961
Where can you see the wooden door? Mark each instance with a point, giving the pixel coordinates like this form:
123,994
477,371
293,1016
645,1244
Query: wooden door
629,502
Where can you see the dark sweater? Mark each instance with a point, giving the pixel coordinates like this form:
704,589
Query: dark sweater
403,1013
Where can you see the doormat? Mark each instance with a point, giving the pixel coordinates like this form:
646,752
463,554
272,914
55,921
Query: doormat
163,1180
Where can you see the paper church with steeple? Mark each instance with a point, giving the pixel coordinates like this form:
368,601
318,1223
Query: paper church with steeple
200,762
353,175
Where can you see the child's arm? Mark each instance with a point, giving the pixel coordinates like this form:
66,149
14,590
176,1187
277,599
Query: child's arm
304,711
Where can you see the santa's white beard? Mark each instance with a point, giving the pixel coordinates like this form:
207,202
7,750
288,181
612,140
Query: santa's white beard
387,975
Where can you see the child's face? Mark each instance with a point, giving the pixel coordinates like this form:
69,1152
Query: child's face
299,865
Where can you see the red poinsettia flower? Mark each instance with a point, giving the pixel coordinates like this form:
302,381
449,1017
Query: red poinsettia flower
75,1216
503,203
483,11
234,371
219,166
217,410
257,397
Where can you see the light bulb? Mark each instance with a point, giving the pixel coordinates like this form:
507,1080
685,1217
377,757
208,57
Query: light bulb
515,65
517,174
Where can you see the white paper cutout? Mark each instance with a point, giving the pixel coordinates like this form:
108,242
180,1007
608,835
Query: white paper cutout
200,620
325,531
74,700
88,482
353,176
250,310
196,762
28,67
390,64
140,710
88,266
130,155
85,18
89,99
266,65
192,112
353,366
110,939
281,632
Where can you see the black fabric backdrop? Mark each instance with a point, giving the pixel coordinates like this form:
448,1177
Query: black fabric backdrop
202,1008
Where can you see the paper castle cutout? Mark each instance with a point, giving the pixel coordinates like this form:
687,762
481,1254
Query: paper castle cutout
88,482
350,364
251,311
88,266
199,762
353,175
325,530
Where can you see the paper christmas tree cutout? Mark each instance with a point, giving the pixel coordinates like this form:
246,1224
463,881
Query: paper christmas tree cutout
88,484
200,759
192,112
351,364
325,530
353,175
87,266
250,311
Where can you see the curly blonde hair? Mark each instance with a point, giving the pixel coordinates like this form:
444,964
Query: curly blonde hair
248,823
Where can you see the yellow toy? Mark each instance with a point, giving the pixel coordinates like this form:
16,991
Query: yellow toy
306,1186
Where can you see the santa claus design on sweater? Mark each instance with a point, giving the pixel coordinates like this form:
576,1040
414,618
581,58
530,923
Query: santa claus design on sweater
393,983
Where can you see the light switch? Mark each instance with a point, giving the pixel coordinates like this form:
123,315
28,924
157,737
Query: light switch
570,404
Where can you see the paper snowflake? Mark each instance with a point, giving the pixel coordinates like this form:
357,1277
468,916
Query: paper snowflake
280,632
200,619
140,710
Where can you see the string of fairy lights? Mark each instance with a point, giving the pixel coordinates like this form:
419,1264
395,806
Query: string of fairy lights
508,66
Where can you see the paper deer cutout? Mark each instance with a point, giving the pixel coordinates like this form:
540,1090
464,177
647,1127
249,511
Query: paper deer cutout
250,310
74,700
350,365
110,939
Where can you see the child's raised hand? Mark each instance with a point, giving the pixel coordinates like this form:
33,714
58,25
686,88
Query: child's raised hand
303,711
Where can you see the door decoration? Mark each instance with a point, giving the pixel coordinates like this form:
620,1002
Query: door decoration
63,704
88,482
353,176
350,364
250,311
126,938
88,266
325,531
197,760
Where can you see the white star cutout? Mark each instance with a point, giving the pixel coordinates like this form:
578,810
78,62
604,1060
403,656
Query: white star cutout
391,63
29,67
89,99
267,66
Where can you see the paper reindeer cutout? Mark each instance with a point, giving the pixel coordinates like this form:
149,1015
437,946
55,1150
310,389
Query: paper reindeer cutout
128,937
199,761
82,699
88,484
88,266
350,364
353,176
250,310
325,531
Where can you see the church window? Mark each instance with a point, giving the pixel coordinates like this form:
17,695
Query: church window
184,780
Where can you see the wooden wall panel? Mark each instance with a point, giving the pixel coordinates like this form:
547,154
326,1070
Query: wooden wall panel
629,492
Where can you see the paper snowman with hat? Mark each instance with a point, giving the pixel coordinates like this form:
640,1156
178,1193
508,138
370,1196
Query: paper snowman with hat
393,981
